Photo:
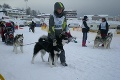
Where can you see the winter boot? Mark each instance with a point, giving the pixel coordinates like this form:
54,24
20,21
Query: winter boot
84,44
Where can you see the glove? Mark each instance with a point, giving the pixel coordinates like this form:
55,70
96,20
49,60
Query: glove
88,29
70,39
68,34
54,40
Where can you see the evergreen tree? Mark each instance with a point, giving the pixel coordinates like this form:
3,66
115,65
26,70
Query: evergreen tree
28,11
6,6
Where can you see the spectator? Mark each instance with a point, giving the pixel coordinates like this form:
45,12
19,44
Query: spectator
85,30
103,27
2,30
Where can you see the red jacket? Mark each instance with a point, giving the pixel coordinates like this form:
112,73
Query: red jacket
8,24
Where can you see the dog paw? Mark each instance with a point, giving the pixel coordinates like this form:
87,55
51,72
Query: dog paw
51,66
32,62
55,65
43,60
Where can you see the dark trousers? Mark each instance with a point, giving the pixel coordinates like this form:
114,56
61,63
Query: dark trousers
62,54
2,34
103,33
84,38
3,38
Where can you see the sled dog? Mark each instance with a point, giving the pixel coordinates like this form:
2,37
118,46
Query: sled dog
44,45
106,42
18,42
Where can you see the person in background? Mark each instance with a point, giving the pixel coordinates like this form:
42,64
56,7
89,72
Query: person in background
32,26
13,26
9,25
85,30
57,25
2,25
103,27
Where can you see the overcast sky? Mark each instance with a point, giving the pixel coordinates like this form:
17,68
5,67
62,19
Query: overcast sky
83,7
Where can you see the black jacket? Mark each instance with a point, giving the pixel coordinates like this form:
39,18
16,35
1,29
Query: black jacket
107,27
86,29
52,33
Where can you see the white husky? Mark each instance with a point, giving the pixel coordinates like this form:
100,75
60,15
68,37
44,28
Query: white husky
18,42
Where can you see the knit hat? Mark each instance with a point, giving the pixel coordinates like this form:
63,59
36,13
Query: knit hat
85,17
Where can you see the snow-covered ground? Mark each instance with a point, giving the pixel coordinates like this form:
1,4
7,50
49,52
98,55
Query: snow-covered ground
84,63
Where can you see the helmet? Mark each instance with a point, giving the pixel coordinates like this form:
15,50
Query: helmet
58,5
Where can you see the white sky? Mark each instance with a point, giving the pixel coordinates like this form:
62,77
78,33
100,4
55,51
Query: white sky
83,7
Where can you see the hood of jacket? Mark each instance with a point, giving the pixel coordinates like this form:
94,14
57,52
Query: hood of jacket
58,5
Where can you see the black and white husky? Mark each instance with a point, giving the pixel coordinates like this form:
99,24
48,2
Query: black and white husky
44,45
18,42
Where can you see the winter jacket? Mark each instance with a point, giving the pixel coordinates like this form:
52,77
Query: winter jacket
8,24
2,28
57,22
106,26
103,27
56,30
33,24
85,27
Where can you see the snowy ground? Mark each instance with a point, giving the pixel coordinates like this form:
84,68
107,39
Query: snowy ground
84,63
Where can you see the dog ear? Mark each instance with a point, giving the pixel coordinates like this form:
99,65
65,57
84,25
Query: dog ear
17,35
